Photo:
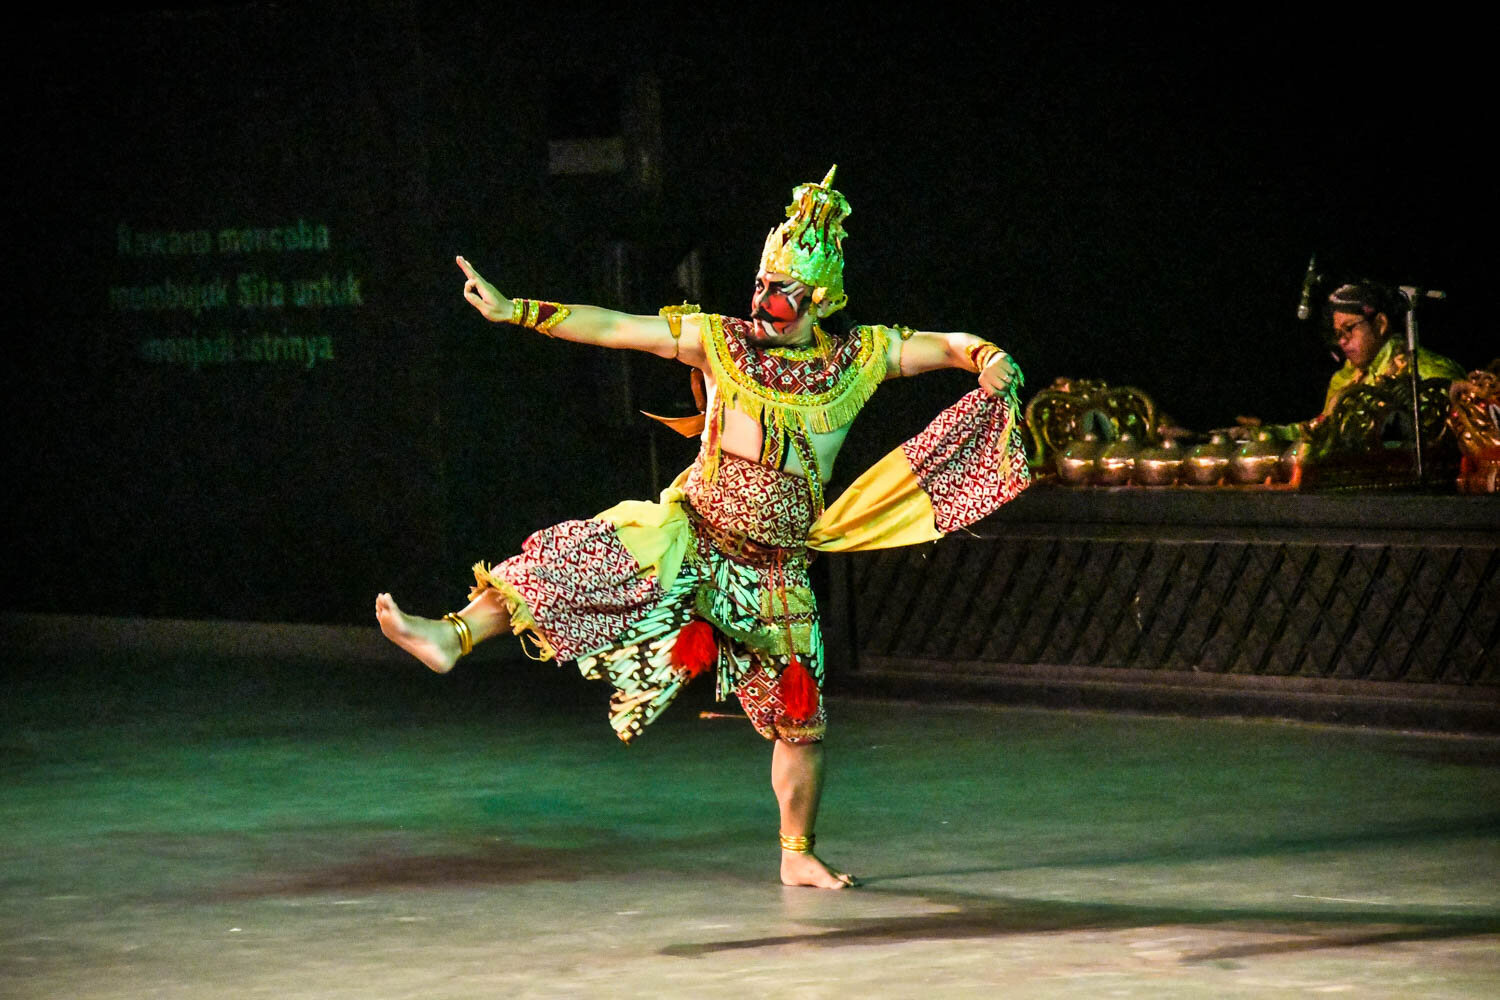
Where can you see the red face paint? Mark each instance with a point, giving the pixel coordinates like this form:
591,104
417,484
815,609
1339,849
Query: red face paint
779,303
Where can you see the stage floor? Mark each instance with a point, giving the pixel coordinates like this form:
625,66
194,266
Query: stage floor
177,826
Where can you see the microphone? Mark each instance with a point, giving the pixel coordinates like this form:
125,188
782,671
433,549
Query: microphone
1304,305
1411,293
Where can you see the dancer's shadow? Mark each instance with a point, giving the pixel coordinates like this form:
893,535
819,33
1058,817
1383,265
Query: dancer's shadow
976,915
1407,834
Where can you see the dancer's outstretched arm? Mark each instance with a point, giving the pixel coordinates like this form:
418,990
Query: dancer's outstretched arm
591,324
924,352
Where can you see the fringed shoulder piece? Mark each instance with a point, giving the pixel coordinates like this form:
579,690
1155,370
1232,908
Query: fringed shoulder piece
820,390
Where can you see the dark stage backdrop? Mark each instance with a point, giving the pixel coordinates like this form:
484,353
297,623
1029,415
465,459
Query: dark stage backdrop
245,386
226,402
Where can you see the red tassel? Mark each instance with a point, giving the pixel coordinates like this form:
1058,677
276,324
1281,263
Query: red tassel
695,649
798,690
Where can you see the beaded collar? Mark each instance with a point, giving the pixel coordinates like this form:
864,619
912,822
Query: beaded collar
826,392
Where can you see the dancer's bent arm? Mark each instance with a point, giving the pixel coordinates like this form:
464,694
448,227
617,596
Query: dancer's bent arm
591,324
925,352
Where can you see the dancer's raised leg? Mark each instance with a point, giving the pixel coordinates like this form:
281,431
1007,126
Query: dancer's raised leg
434,641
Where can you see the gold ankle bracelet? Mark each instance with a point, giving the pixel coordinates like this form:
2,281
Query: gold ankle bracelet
798,844
465,637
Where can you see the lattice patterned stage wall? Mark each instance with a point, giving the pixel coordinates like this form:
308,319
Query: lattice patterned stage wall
1320,598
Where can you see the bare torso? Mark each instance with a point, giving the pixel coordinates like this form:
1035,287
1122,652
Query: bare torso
742,436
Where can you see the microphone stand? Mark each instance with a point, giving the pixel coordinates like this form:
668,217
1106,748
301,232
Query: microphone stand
1413,295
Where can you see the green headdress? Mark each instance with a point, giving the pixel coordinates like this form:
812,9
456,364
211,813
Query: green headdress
809,245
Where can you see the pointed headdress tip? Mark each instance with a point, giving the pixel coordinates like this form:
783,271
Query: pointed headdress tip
809,244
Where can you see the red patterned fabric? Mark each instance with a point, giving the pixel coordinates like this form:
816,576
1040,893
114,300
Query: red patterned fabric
580,584
955,460
780,373
760,695
589,600
772,507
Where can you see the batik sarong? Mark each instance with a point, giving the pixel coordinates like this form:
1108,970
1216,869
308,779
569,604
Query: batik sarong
616,591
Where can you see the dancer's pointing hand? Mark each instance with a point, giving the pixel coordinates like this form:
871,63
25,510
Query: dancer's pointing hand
484,296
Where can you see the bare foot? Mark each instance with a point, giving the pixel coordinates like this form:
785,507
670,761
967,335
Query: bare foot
432,641
805,868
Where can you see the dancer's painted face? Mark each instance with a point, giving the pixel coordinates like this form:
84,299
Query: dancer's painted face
779,301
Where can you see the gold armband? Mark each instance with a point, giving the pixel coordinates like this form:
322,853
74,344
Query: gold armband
673,315
537,315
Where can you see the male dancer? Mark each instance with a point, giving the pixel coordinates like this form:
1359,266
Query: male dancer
714,576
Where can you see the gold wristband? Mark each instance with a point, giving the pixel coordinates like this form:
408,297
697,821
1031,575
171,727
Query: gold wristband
798,844
535,314
983,354
465,637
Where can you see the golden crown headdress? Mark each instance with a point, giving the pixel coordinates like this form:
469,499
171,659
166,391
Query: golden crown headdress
809,245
